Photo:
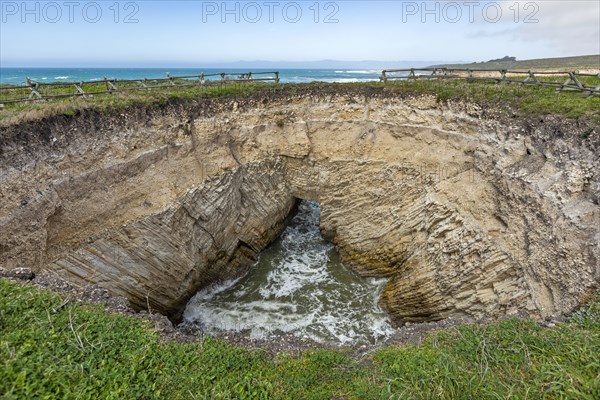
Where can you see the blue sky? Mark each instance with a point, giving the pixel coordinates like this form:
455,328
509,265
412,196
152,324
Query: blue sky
198,33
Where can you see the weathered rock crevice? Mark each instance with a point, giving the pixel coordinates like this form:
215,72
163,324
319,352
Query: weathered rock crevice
466,215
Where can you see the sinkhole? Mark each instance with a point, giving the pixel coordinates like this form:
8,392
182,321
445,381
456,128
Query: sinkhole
298,286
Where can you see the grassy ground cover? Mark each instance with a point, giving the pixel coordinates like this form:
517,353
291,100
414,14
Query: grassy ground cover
527,100
82,352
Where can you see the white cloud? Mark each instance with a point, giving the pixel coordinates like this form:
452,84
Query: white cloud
567,26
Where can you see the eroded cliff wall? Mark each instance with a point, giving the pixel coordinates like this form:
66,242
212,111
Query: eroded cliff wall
467,213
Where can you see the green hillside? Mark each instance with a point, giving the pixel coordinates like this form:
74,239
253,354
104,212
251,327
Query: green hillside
562,63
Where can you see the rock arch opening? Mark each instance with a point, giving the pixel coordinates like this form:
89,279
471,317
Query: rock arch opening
299,286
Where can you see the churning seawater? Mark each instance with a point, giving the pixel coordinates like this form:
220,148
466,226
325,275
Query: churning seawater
300,287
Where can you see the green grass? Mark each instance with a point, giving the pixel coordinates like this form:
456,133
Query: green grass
81,352
14,113
525,100
560,63
9,92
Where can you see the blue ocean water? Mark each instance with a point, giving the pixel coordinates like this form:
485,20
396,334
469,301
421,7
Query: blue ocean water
17,76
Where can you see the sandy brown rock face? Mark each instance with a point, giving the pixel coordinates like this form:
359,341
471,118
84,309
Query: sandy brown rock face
464,214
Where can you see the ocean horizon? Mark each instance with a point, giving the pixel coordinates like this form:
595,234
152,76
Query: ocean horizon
17,76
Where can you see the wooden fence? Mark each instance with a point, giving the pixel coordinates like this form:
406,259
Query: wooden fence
586,83
33,91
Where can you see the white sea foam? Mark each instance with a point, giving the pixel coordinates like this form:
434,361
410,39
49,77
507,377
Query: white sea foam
350,80
61,77
298,288
364,71
211,291
358,71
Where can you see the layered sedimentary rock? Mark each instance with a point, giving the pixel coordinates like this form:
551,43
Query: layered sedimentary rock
466,214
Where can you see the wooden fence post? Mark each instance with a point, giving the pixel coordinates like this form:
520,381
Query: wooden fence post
530,78
79,89
33,87
576,81
170,78
502,75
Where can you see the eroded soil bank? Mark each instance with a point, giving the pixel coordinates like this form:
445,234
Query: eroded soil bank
467,210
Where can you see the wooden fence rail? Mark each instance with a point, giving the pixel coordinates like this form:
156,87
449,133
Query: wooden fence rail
33,91
569,81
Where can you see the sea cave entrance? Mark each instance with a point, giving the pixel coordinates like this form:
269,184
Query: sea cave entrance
299,287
